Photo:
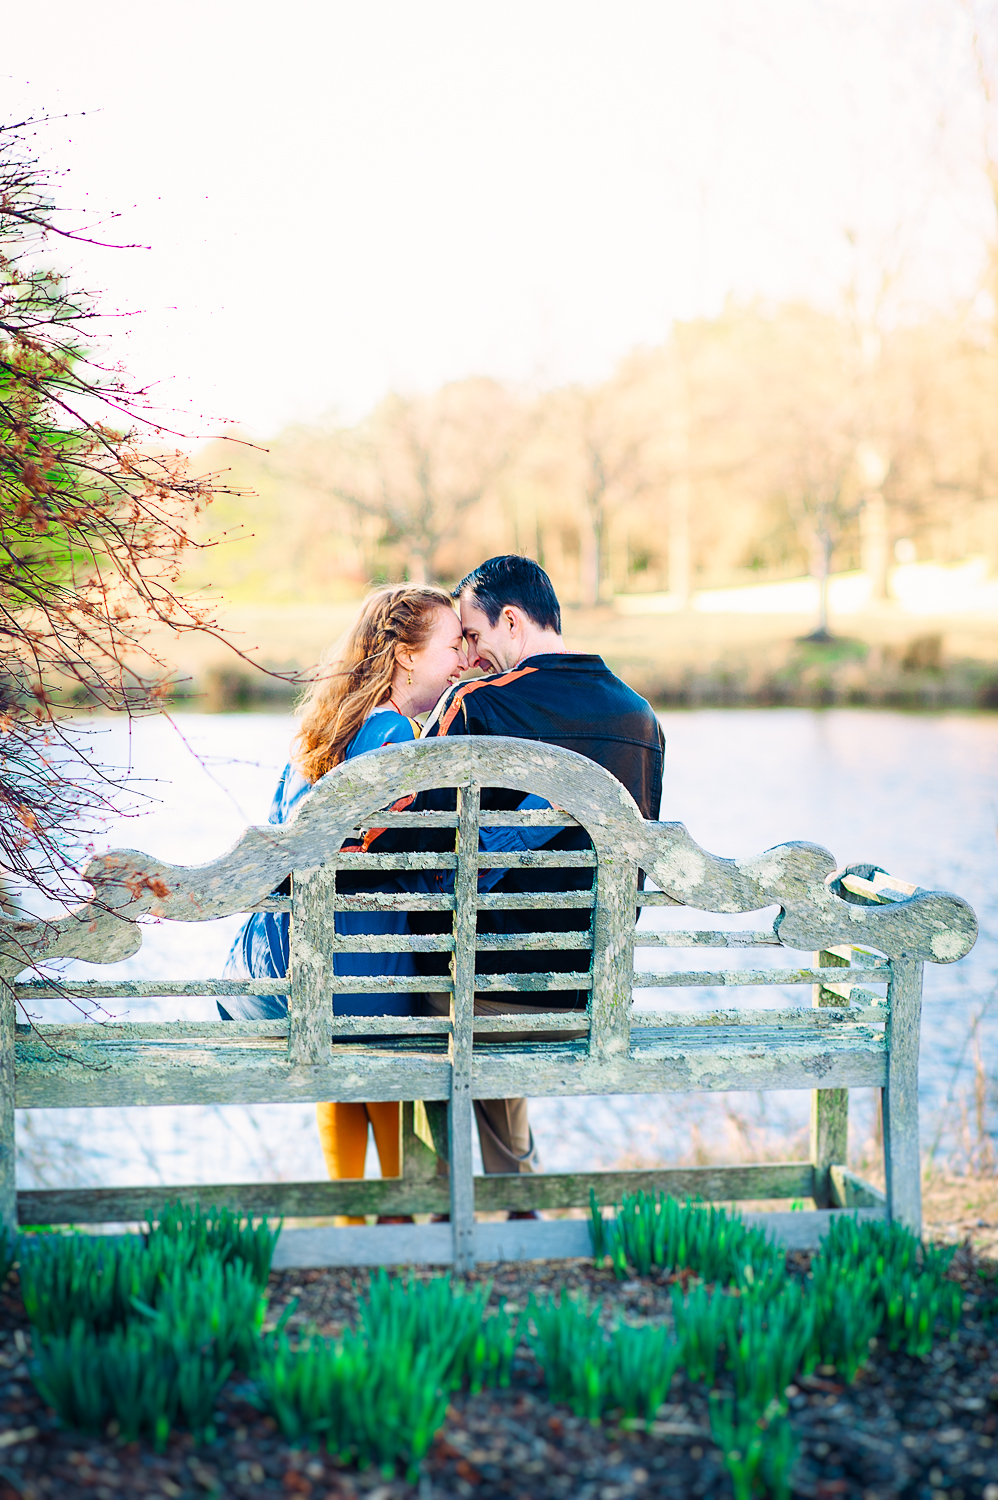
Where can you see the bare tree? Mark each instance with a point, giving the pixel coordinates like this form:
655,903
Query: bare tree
600,444
982,17
817,504
418,467
94,502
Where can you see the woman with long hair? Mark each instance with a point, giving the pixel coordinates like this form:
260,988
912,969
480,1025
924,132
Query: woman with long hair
400,655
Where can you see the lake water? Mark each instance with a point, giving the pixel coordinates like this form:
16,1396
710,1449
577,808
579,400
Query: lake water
915,794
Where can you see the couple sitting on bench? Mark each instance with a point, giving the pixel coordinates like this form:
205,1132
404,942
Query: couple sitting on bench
404,657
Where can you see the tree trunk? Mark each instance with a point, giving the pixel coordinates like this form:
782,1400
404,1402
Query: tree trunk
824,561
590,559
680,491
680,567
873,543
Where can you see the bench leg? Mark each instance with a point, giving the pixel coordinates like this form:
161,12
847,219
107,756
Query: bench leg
829,1107
829,1140
421,1160
462,1186
8,1180
902,1148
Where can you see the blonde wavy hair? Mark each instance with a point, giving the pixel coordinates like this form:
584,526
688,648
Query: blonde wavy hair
356,674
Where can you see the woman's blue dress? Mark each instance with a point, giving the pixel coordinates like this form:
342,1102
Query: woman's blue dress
262,950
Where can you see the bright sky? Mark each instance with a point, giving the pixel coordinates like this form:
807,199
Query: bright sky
344,198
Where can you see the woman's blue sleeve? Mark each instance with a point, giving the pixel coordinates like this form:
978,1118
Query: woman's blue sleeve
263,944
261,951
512,839
291,788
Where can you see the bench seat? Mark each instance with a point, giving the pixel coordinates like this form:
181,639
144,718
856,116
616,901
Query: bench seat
59,1067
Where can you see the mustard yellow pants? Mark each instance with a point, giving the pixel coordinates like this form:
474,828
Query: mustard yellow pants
343,1136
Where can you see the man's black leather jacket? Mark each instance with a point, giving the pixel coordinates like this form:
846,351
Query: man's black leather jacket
561,699
569,700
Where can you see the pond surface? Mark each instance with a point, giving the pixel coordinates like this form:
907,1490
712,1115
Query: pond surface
915,794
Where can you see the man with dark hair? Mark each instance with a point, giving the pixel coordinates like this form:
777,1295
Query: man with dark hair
538,690
517,581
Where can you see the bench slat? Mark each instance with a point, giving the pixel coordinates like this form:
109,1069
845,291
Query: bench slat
396,1195
412,943
126,989
382,901
552,1020
793,1016
487,942
386,984
546,901
231,1032
379,901
123,989
532,818
775,1038
704,939
565,859
528,942
391,942
486,982
569,859
391,1025
661,1061
692,979
103,1033
352,859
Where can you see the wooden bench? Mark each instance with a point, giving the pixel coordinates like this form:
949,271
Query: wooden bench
862,928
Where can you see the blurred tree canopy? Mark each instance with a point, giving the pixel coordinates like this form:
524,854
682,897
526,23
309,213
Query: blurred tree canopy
765,443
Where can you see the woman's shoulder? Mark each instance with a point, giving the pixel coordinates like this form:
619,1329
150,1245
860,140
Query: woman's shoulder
385,726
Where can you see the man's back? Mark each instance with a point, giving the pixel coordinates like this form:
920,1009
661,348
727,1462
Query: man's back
576,702
570,700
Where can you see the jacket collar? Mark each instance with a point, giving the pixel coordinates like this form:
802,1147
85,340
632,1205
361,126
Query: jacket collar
555,659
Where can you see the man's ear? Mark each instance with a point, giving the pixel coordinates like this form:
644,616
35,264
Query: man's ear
511,618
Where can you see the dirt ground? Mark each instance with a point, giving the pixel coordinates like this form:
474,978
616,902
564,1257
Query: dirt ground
957,1209
906,1428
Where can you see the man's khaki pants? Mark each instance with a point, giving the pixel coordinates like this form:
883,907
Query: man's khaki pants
504,1131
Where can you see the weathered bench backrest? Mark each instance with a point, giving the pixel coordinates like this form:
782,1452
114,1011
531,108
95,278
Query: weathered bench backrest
312,1056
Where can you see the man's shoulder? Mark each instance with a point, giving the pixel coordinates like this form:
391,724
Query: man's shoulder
475,695
589,676
547,696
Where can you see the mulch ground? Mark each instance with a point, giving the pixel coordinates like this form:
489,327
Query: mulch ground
911,1428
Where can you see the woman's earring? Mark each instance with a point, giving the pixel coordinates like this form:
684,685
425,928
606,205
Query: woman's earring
409,679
